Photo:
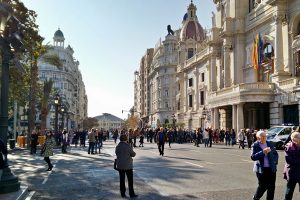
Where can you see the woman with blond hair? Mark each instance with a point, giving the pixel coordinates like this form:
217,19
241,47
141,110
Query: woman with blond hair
292,165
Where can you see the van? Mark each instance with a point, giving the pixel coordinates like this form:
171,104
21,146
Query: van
278,134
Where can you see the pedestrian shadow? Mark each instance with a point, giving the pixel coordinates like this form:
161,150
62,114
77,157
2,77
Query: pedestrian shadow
182,158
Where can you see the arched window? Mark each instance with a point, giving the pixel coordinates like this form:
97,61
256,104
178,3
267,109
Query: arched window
267,66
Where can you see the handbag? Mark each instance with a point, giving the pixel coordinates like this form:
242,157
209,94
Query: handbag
115,165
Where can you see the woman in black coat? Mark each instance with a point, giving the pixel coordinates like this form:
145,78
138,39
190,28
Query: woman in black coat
124,163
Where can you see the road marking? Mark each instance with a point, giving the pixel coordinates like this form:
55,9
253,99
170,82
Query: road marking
210,163
30,195
194,164
247,160
231,154
153,152
46,179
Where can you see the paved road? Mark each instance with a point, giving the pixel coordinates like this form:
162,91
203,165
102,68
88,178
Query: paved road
185,172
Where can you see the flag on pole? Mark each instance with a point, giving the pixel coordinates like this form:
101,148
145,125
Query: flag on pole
257,52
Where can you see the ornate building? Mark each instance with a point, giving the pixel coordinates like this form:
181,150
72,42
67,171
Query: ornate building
244,71
67,82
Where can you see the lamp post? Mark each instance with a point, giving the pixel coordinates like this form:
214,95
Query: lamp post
62,110
10,41
174,120
56,102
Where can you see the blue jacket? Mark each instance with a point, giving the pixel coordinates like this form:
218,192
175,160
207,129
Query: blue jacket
258,155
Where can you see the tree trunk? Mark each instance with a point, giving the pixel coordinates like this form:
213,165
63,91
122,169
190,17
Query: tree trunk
32,99
44,114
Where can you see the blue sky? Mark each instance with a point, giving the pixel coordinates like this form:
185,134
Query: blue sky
109,38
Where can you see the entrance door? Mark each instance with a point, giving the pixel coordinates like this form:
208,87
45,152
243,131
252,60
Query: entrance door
291,114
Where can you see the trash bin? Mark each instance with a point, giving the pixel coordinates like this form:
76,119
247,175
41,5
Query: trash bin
12,143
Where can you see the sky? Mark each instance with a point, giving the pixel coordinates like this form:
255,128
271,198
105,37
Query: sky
109,38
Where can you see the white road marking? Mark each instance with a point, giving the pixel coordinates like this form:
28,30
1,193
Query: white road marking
194,164
46,179
30,195
247,160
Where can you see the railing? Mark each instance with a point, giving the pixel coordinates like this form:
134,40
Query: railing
245,86
288,82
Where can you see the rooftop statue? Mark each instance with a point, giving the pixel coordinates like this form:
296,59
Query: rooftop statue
170,31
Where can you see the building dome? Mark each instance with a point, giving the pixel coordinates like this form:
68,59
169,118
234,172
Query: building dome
190,25
59,33
192,29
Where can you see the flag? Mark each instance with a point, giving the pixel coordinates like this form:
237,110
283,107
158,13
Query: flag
257,52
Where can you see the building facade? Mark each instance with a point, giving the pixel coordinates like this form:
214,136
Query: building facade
244,71
109,122
67,82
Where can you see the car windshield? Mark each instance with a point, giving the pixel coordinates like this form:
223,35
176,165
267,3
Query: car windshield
274,130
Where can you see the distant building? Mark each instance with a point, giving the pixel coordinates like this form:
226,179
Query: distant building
109,122
67,82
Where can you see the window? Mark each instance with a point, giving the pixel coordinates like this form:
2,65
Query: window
190,53
297,65
43,75
202,98
178,105
202,77
190,101
267,66
190,82
166,70
178,87
166,93
166,104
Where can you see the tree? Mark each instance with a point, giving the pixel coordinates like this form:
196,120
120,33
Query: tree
90,122
132,122
45,103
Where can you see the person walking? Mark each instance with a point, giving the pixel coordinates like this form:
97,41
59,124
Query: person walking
33,142
92,140
266,159
292,165
124,162
161,139
65,141
205,137
249,137
47,149
241,137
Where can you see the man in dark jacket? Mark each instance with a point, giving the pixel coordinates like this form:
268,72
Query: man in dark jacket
3,155
34,141
161,138
125,165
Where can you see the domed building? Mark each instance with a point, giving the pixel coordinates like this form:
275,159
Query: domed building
68,83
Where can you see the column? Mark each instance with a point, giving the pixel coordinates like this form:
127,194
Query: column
196,93
240,116
234,119
184,93
254,124
216,118
213,78
227,78
278,44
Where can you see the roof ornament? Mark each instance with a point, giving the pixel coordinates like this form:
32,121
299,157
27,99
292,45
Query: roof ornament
170,31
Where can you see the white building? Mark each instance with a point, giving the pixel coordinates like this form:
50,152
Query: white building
217,85
67,81
109,122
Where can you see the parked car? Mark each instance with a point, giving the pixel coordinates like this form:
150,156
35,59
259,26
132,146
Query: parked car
278,134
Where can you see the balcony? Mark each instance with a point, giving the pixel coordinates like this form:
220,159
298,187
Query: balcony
244,92
288,84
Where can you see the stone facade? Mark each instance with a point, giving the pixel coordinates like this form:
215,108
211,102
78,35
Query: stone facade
67,82
216,83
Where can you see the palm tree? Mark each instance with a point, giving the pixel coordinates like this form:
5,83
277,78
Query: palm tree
53,59
44,103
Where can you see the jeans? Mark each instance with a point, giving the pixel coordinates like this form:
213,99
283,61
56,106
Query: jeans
289,190
266,181
161,146
129,174
91,147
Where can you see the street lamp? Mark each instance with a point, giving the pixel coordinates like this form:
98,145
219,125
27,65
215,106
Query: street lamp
174,120
10,42
56,102
62,110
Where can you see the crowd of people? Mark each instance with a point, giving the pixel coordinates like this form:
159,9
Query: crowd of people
263,153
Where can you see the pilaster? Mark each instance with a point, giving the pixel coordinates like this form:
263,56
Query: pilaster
240,116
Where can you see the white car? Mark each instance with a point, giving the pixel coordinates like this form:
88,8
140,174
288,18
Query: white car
278,134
